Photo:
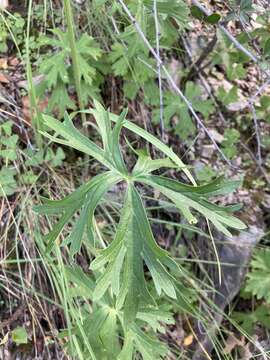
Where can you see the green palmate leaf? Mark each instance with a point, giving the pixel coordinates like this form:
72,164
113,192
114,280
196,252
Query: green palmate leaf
231,139
177,10
173,105
184,201
146,165
87,198
60,99
122,302
150,347
157,143
6,127
57,68
110,156
8,183
73,138
119,60
103,325
248,320
133,244
103,332
219,186
156,318
258,279
236,71
8,145
110,137
227,97
66,130
126,242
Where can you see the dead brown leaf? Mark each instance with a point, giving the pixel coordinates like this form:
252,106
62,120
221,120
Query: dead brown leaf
232,343
4,78
3,63
26,107
188,340
14,62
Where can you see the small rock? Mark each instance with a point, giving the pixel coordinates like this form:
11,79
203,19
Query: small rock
207,151
216,135
237,106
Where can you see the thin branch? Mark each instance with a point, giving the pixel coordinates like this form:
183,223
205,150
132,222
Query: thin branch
170,79
260,90
161,121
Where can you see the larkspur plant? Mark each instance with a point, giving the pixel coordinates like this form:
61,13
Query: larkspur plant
123,306
57,69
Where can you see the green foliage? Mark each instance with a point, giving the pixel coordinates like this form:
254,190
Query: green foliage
205,174
229,144
241,10
174,106
199,14
9,177
8,182
104,324
247,321
19,335
11,28
258,279
129,57
131,274
263,111
227,97
35,158
58,71
8,142
233,60
236,71
124,303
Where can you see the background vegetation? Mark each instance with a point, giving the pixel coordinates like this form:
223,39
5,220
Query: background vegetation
134,179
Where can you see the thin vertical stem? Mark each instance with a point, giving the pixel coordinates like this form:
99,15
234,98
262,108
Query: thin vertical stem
74,55
36,116
157,29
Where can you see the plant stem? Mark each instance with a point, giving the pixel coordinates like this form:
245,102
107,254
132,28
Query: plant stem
76,71
36,116
74,55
